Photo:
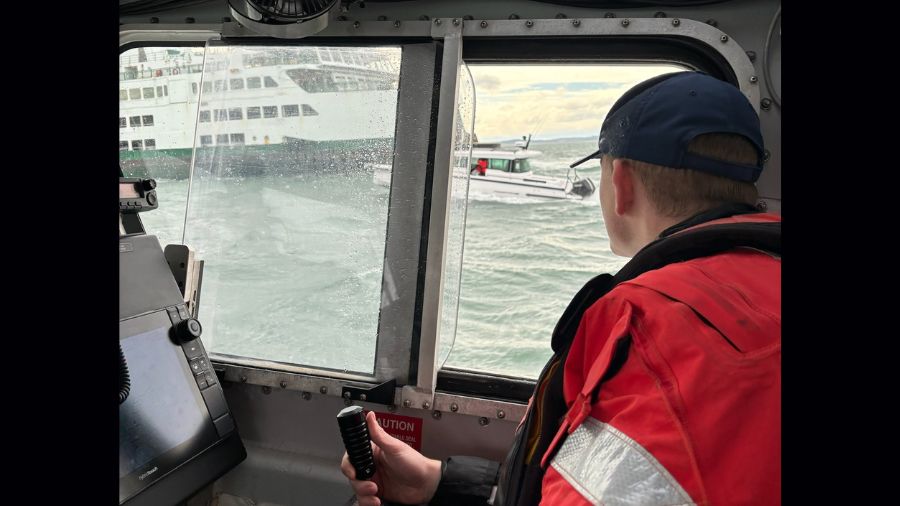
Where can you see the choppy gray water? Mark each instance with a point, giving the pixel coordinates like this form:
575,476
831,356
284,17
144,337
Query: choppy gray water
293,266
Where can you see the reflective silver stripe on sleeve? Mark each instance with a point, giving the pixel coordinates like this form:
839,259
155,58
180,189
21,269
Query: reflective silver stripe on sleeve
609,468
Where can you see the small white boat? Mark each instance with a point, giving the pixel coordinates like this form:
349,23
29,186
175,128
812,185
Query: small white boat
500,171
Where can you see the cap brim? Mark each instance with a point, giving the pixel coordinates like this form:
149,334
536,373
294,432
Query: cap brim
588,157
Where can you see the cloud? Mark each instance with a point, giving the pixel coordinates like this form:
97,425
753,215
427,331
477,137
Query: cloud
550,100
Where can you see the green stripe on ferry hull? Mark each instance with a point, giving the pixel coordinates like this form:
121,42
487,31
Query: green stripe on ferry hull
294,155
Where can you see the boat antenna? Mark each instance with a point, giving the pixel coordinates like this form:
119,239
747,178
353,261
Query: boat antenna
528,142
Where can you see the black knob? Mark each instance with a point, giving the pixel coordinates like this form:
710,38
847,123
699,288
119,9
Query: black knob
151,198
355,433
149,184
187,330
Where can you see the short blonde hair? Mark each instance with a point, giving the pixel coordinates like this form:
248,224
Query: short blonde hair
683,192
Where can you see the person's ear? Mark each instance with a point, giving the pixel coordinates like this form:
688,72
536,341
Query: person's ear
623,185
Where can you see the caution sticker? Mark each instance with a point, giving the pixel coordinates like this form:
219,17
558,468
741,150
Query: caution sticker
405,428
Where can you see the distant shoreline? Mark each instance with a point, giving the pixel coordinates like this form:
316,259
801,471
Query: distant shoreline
541,141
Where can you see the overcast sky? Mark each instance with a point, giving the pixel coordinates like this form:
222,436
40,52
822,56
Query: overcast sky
550,101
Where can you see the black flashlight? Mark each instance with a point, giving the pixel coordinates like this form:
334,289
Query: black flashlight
355,433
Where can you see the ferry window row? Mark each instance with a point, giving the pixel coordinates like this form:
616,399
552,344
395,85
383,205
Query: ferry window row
224,139
256,112
146,93
235,83
136,121
138,145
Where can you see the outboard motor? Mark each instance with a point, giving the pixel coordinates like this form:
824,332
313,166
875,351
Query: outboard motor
584,187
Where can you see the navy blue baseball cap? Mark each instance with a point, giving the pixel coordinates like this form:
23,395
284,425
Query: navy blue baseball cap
656,120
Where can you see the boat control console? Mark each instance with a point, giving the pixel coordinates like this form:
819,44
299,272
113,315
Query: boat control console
176,434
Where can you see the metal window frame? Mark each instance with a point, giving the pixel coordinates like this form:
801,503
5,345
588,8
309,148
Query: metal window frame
409,333
400,277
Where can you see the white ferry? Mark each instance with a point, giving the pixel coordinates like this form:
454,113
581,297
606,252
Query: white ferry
253,107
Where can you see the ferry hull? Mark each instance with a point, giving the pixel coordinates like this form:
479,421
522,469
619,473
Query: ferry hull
293,156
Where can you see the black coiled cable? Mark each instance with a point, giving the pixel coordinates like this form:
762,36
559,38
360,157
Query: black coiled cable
124,378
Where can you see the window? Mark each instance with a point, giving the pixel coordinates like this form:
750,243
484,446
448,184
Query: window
207,87
122,122
194,88
235,113
148,92
221,85
166,89
498,164
502,241
254,82
277,221
206,140
309,111
167,167
204,116
221,115
136,145
236,83
123,95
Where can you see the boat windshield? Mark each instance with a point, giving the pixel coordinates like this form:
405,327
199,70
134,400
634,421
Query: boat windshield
499,164
521,166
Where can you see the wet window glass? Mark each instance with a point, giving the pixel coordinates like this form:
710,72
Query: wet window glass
121,122
288,218
254,82
123,95
270,83
235,113
309,111
531,245
167,157
123,145
148,93
236,84
204,116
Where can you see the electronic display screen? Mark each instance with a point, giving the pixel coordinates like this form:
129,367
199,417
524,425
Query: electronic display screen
164,421
128,191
